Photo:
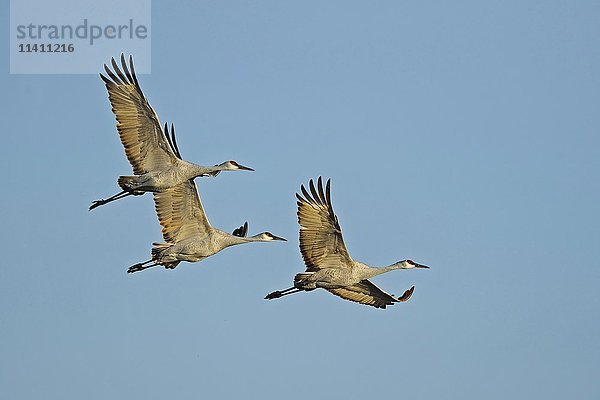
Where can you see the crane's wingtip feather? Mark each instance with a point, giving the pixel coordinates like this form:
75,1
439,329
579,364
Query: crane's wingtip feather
407,295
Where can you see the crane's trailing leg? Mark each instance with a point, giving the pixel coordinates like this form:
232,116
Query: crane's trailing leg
278,293
141,266
117,196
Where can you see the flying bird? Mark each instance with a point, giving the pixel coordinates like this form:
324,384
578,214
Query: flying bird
152,152
186,230
328,263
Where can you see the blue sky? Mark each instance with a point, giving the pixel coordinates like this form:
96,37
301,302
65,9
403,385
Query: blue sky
462,135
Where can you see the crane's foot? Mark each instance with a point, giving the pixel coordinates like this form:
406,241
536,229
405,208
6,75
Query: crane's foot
120,195
274,295
97,203
406,294
279,293
136,268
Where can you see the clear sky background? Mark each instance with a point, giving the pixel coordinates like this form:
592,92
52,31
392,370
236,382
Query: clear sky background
463,135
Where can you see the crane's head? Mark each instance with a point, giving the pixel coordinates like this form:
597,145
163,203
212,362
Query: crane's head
408,264
233,166
267,237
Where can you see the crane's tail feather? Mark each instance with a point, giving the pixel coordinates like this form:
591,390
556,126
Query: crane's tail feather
157,251
302,276
128,183
159,248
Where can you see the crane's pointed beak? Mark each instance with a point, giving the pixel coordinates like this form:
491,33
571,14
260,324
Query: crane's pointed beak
244,168
421,266
279,238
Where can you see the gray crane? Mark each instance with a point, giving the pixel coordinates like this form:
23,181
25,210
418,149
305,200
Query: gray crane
152,152
187,232
328,263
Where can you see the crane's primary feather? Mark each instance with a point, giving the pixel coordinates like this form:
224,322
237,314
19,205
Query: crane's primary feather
242,231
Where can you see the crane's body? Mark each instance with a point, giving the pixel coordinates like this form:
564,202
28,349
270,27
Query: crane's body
187,233
328,263
173,174
335,277
151,151
197,249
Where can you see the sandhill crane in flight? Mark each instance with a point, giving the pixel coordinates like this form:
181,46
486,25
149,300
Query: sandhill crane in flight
187,232
328,264
152,152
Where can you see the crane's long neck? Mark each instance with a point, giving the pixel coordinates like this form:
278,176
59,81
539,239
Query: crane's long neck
232,240
198,170
367,271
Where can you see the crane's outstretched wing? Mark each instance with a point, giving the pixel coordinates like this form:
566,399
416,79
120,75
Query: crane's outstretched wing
180,212
321,241
146,145
365,292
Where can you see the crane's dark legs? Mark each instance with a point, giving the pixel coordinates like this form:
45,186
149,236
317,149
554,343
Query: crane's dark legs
279,293
117,196
141,266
